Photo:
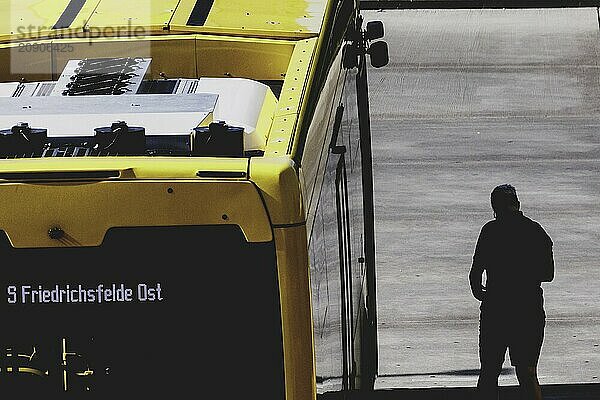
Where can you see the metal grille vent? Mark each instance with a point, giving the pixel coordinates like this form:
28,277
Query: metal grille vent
44,89
73,151
106,76
62,151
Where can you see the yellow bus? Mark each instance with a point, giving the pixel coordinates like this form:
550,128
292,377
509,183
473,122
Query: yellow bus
186,198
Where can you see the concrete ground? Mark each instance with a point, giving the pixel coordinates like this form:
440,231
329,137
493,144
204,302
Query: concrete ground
472,99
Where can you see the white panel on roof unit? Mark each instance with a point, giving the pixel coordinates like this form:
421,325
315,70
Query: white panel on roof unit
68,109
240,103
8,89
79,116
27,89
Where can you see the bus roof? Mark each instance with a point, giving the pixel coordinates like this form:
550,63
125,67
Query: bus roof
285,46
26,19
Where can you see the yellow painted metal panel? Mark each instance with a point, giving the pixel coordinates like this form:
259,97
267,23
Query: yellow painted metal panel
282,15
265,118
296,315
260,59
176,55
265,18
138,167
280,135
257,17
150,14
312,89
94,208
278,181
20,61
265,34
290,99
296,76
20,17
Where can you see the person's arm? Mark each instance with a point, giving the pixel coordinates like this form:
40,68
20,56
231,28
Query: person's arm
478,266
547,265
475,277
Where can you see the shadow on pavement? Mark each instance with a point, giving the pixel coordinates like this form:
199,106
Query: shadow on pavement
550,392
455,372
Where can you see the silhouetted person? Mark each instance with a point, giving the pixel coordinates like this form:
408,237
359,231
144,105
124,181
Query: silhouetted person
516,254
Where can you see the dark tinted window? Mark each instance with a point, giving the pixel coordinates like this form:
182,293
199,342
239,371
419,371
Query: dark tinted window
153,312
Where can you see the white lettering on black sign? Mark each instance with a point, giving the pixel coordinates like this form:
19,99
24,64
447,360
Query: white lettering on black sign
111,293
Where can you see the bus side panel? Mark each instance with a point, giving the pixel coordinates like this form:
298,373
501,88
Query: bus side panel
338,276
349,137
322,234
317,147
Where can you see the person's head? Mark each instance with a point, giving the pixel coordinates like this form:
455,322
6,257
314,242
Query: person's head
504,200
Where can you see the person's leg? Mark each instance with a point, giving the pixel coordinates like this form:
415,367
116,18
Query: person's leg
525,349
492,348
487,384
528,382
